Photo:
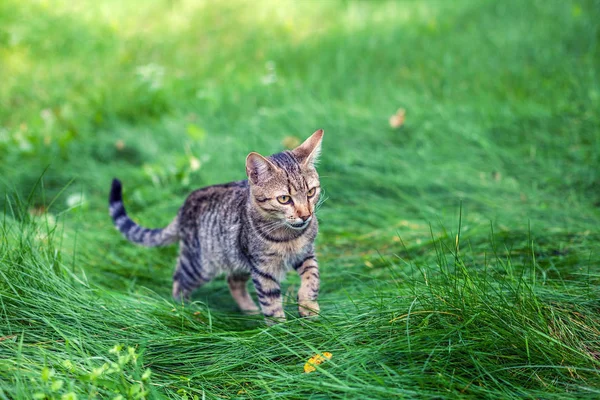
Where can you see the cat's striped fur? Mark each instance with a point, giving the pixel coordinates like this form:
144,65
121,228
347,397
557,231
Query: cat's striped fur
246,230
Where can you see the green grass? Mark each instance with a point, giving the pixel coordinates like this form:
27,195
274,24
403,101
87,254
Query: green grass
459,254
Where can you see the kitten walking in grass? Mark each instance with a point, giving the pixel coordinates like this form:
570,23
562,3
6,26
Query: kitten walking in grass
257,228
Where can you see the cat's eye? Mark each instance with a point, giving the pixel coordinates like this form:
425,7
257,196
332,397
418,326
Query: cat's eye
284,199
312,192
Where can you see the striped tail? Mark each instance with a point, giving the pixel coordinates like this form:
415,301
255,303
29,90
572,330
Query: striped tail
132,231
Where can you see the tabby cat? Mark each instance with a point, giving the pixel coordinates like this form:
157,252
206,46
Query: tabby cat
257,228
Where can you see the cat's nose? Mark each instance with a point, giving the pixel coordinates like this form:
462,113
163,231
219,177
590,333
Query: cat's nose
304,218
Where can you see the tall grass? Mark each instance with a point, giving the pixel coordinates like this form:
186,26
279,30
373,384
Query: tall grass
458,253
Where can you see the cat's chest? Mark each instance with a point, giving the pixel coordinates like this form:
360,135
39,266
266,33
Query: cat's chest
287,254
289,248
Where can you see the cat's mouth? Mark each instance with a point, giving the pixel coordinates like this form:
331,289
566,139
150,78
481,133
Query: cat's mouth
298,225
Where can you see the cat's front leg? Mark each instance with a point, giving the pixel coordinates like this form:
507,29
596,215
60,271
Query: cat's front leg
268,290
309,287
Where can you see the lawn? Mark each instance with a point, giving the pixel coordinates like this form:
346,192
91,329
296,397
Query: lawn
459,252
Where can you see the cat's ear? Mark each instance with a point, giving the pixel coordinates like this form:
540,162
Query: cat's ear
258,167
308,152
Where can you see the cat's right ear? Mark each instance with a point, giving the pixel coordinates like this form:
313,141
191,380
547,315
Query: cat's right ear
308,152
258,168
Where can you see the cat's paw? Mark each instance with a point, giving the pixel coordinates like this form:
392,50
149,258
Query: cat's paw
308,309
249,308
270,321
179,294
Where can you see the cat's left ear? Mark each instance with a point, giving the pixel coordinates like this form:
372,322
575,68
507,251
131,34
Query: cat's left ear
308,152
258,167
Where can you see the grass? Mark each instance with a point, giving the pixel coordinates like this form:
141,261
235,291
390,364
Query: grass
458,253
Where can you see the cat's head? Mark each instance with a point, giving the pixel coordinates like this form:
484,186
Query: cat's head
285,186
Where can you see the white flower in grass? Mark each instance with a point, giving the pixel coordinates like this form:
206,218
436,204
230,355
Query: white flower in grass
271,76
151,74
48,116
22,142
76,200
47,219
4,135
195,164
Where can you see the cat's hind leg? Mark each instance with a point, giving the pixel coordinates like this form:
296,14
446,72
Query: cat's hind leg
189,273
181,287
239,292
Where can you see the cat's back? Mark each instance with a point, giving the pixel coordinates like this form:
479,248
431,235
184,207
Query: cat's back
211,204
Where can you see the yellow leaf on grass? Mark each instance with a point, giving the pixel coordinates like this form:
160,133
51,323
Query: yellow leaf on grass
397,120
316,360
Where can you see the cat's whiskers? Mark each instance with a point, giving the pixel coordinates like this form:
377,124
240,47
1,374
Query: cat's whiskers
272,227
320,202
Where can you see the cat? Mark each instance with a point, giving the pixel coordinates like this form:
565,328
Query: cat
257,228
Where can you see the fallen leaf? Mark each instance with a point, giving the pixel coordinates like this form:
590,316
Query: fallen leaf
397,120
316,360
523,197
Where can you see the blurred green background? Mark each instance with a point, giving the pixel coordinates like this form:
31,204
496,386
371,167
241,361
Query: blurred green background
500,139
